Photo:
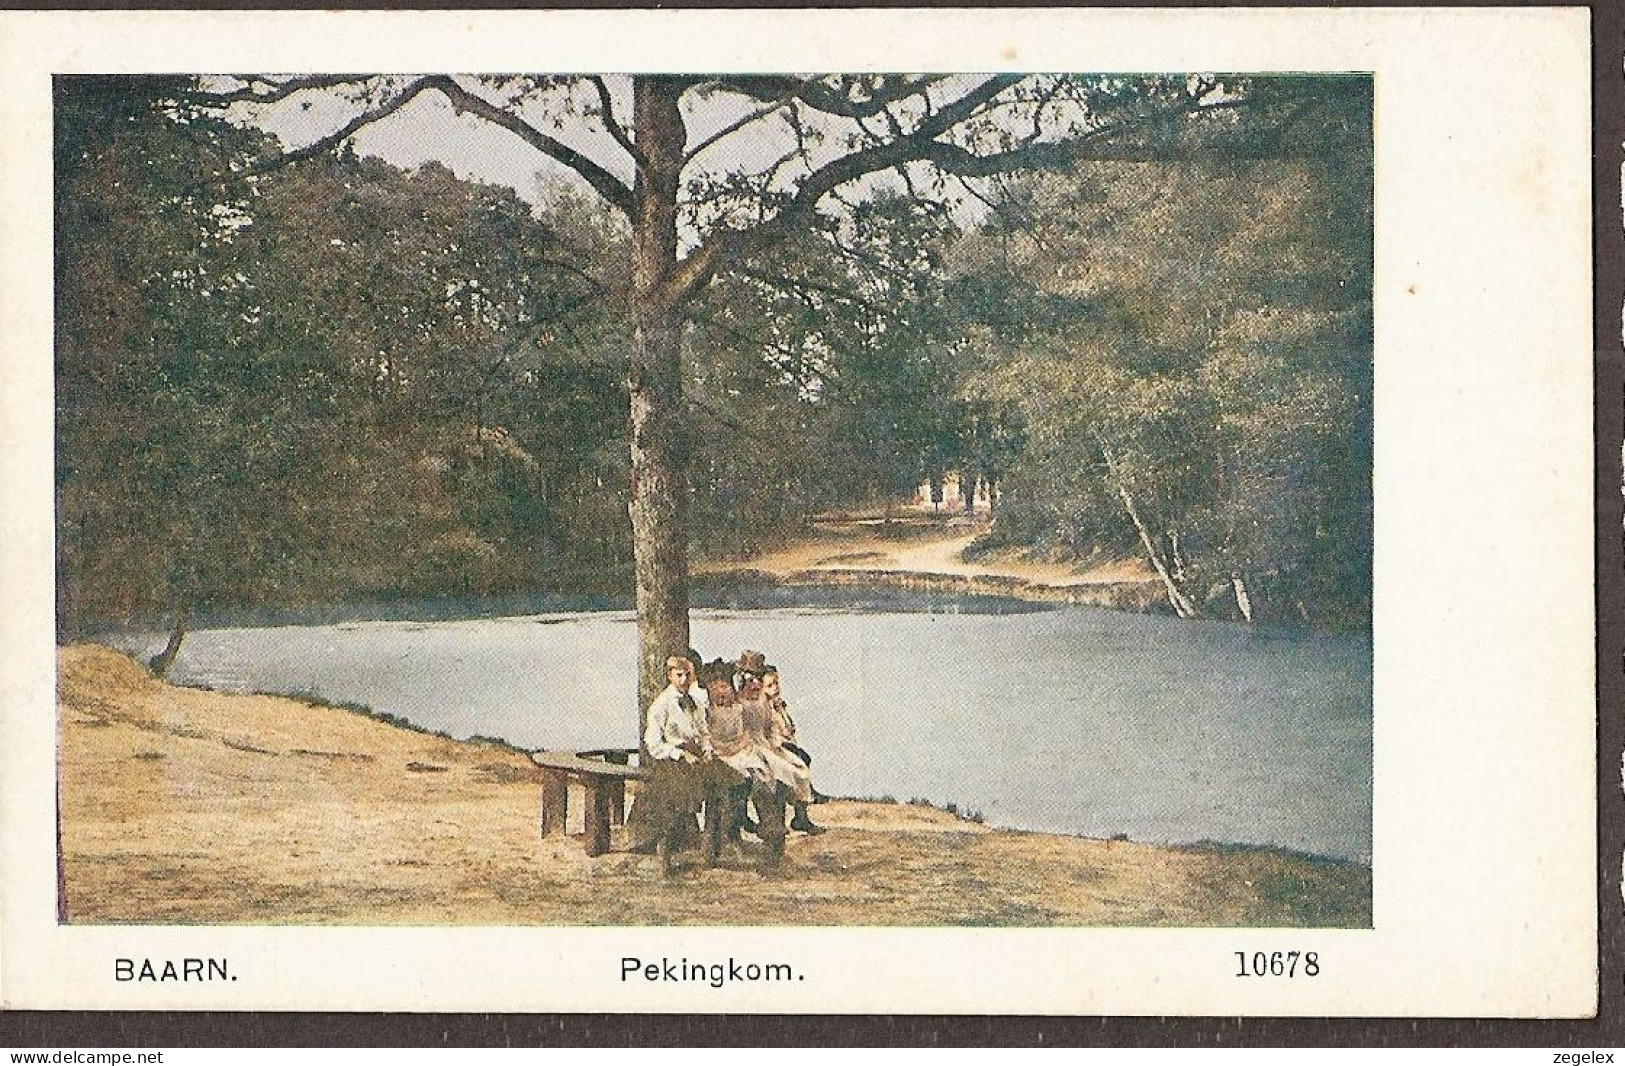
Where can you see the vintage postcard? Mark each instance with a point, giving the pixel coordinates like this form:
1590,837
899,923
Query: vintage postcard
1013,512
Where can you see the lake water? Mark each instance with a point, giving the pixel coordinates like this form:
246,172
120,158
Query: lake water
1075,720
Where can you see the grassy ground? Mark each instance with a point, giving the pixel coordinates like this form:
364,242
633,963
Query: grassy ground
186,806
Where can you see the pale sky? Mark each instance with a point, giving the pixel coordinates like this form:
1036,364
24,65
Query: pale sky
428,129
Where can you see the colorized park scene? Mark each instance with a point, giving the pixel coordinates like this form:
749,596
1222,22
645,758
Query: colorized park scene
714,499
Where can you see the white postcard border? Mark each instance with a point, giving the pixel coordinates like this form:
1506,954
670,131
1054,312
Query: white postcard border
1485,827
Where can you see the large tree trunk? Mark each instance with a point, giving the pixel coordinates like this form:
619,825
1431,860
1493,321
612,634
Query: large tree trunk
659,499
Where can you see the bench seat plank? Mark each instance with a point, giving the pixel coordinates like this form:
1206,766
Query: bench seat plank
575,764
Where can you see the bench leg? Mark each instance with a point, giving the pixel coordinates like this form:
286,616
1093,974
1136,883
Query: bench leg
598,798
617,788
555,801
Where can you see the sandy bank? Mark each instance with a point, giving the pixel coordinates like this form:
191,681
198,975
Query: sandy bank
186,806
920,550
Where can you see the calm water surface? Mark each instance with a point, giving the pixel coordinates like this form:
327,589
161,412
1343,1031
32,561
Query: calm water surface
1077,720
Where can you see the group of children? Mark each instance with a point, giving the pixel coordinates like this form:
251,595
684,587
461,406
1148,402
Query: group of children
721,737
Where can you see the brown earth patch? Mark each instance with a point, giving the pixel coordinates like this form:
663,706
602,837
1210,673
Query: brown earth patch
904,551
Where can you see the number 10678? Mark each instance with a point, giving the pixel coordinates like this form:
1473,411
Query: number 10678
1277,964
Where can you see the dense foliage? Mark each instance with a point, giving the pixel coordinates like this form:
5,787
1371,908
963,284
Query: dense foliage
337,379
343,381
1205,399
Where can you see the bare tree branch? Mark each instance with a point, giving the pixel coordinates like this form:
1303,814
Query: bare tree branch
1038,111
819,96
606,184
697,269
343,133
1109,144
964,107
964,183
737,125
278,90
616,130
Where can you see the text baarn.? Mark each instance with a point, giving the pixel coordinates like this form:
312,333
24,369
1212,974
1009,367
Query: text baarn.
171,970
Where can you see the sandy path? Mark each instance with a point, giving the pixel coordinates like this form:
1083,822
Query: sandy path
923,547
947,557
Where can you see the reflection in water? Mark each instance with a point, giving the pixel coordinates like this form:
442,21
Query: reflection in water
1077,720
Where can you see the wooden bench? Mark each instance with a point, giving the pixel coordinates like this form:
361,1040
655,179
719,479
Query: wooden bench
602,774
617,787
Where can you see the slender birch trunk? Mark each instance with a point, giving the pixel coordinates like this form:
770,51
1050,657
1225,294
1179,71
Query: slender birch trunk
1244,600
1182,604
